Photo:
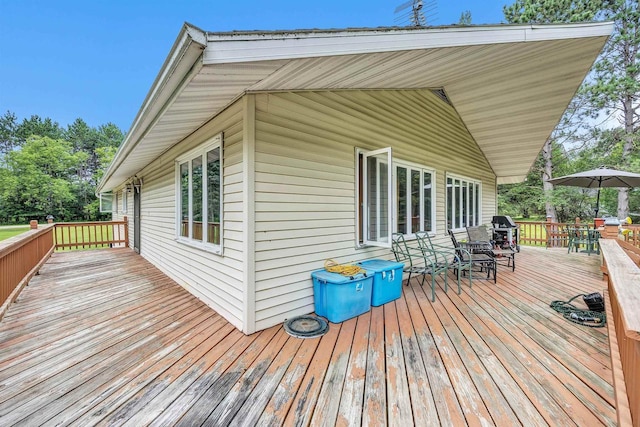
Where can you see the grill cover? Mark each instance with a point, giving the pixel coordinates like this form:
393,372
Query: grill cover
503,221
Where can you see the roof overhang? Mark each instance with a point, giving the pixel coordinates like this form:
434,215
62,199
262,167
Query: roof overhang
509,83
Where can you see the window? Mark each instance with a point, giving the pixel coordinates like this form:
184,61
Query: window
125,196
106,202
414,199
463,202
115,202
374,197
199,196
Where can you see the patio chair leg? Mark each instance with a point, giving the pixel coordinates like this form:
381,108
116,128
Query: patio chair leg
433,288
446,281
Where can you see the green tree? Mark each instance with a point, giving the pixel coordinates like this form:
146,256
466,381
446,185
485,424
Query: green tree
547,165
8,141
615,84
552,11
91,149
36,126
38,179
523,199
105,155
465,18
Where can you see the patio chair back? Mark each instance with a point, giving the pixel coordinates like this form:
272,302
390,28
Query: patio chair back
441,254
582,234
481,242
418,262
401,250
444,256
479,234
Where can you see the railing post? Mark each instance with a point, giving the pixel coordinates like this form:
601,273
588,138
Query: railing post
126,231
547,226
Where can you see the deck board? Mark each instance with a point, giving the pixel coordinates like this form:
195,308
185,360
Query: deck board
104,338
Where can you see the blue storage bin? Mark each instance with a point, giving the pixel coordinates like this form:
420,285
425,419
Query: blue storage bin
339,297
387,280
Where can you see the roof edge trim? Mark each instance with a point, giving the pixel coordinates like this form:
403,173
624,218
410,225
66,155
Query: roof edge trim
265,46
185,52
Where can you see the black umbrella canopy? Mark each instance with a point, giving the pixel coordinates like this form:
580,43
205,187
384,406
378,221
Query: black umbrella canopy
599,178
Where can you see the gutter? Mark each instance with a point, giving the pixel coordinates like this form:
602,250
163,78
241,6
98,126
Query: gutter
183,56
266,46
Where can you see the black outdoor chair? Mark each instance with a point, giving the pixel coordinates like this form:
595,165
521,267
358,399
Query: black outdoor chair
446,255
481,242
418,262
484,261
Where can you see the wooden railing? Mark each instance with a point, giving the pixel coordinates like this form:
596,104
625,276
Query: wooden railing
632,236
213,231
91,235
542,233
20,259
623,276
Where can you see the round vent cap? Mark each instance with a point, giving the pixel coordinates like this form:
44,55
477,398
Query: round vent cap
306,326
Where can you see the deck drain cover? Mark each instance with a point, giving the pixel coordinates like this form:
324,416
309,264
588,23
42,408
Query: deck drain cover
306,326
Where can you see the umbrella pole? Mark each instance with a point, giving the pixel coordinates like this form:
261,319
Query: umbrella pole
597,204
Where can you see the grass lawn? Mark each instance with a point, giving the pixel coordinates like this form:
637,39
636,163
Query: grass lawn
10,231
81,236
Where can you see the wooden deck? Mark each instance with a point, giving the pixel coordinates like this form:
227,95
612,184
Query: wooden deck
104,338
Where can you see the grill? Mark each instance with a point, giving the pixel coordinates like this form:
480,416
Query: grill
506,233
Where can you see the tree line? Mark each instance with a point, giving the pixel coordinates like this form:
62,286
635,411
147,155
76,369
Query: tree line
601,127
46,169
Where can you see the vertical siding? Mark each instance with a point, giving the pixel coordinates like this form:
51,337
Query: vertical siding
215,279
305,179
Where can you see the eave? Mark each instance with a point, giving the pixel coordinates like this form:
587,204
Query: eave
510,84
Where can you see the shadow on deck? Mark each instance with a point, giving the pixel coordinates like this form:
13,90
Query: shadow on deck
103,337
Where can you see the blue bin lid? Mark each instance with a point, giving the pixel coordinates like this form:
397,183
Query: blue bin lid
325,276
379,265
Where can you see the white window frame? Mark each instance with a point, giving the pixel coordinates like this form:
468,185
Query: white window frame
116,202
200,151
361,205
106,202
477,201
409,166
125,201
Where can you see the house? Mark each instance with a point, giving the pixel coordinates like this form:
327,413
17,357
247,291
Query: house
258,155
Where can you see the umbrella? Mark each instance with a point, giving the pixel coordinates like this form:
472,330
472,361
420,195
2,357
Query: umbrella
599,178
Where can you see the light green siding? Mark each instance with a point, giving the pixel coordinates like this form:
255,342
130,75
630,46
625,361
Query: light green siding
215,279
305,189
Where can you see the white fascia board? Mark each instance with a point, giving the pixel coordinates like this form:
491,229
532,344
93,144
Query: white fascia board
248,47
182,57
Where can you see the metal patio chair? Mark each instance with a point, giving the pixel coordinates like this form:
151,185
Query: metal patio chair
418,262
444,255
484,261
583,235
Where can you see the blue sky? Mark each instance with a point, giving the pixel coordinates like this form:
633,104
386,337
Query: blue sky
96,59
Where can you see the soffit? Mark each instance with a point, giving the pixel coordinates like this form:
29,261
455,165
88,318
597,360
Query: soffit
510,96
